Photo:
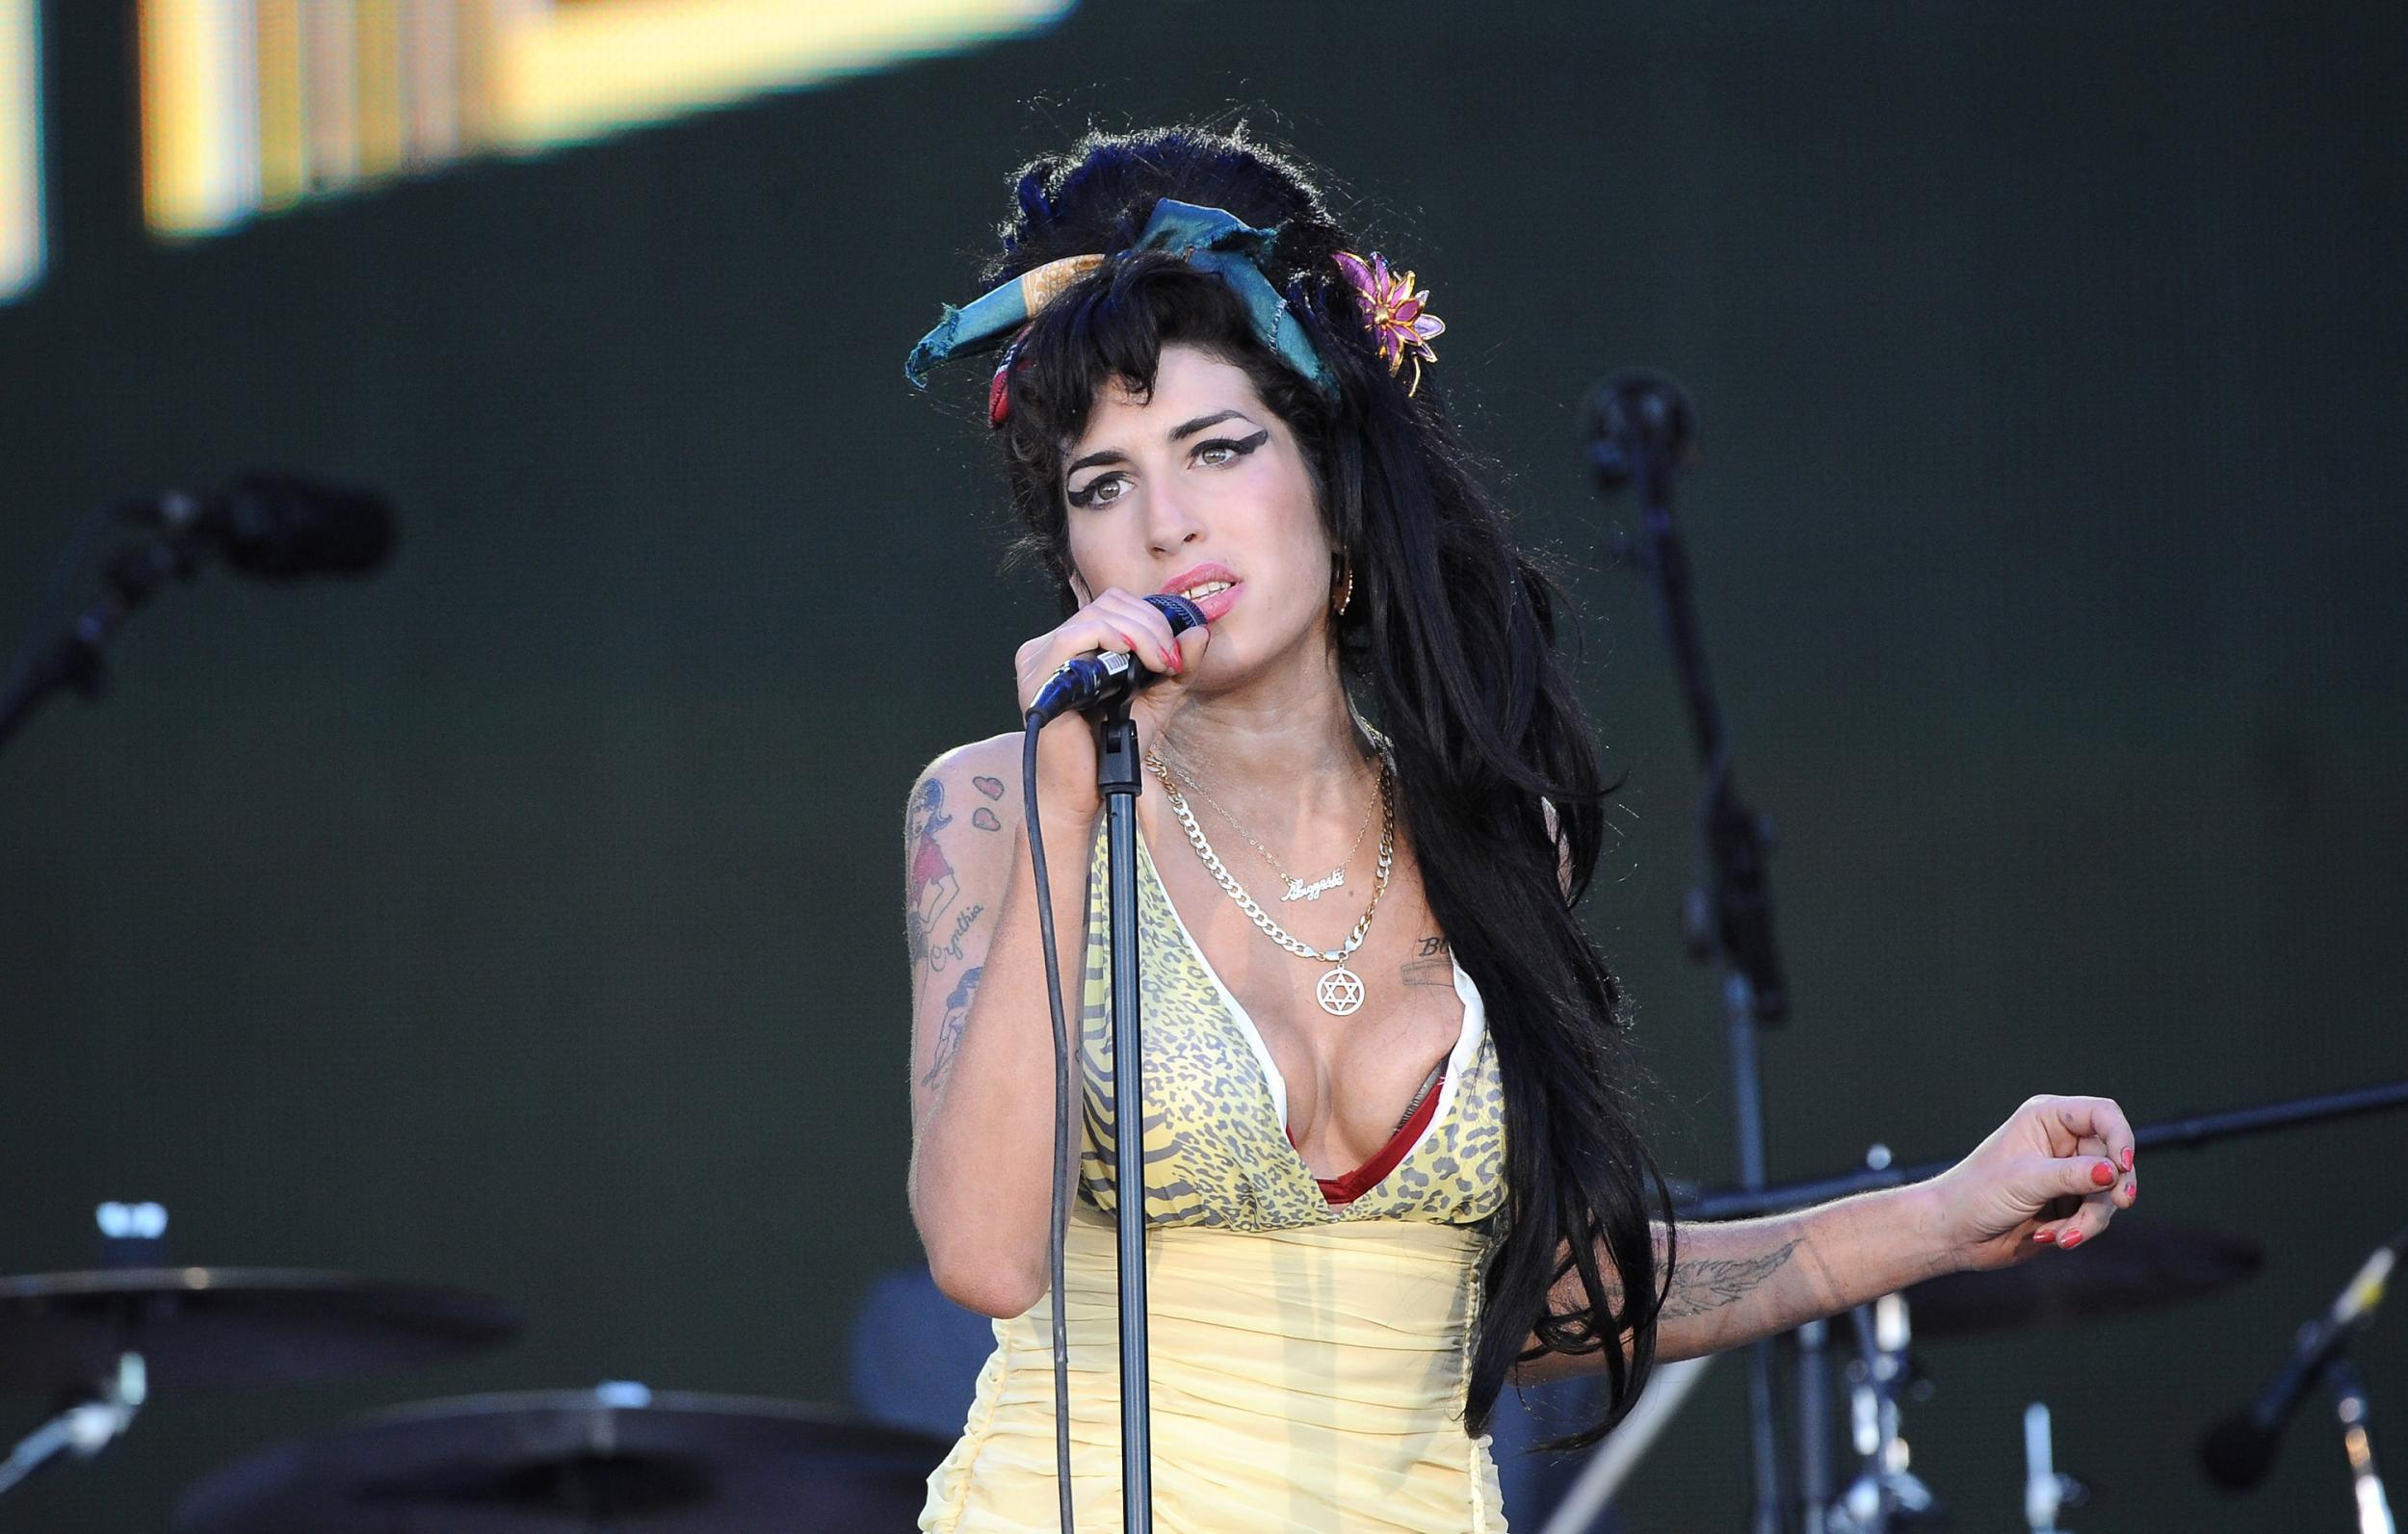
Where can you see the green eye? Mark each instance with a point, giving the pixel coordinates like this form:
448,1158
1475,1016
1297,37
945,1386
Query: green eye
1102,490
1222,451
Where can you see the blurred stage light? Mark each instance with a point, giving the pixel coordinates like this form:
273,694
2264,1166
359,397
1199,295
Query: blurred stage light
251,105
20,145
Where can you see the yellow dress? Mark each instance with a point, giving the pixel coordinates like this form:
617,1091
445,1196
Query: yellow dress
1307,1362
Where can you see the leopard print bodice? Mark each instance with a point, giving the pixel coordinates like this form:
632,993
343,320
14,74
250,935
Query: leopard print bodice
1216,1151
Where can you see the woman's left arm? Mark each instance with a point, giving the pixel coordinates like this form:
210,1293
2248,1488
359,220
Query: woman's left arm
2050,1177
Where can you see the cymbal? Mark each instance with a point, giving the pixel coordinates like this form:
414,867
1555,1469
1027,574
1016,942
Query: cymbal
545,1461
2137,1265
232,1326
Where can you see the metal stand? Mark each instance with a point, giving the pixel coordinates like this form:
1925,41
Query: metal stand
1642,432
2366,1481
131,1236
1120,777
2047,1490
72,658
1885,1490
84,1429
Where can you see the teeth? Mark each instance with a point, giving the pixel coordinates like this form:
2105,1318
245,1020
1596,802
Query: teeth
1197,593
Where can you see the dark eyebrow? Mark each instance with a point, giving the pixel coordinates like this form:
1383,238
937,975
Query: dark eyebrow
1186,428
1200,423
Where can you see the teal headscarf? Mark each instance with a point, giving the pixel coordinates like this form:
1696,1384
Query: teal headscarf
1211,239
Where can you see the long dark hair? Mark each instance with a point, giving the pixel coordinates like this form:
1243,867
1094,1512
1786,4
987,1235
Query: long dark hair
1450,641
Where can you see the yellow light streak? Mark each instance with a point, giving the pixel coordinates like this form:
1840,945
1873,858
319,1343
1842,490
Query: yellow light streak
20,145
201,159
253,104
575,71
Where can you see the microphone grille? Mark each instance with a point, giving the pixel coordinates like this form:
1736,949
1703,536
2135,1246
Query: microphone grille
2236,1453
1183,613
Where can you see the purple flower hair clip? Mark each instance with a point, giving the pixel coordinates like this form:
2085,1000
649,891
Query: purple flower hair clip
1401,322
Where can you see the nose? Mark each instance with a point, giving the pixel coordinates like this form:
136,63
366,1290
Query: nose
1169,524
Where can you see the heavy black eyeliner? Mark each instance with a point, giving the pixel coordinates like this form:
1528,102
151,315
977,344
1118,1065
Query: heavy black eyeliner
1241,445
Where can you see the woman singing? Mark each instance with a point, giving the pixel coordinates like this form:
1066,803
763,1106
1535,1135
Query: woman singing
1391,1161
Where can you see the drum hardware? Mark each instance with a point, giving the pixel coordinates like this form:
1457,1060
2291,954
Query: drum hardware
105,1339
1885,1493
620,1455
2046,1489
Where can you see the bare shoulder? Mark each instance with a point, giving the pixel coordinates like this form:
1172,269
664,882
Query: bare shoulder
977,784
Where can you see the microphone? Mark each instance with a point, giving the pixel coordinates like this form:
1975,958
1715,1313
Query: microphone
1091,681
279,527
2238,1451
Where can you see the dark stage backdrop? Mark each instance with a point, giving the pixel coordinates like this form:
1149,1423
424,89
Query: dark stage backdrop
529,917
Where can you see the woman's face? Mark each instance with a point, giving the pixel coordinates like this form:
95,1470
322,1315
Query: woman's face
1199,487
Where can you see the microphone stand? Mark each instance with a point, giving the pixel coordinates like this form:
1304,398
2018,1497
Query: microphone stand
1642,429
1120,777
73,656
2349,1405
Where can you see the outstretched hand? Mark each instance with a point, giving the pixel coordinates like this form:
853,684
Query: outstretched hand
2052,1176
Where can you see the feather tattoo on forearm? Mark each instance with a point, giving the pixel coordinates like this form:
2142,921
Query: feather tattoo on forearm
1700,1284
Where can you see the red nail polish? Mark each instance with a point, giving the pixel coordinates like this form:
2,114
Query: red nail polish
2103,1174
2128,1158
2072,1240
2043,1235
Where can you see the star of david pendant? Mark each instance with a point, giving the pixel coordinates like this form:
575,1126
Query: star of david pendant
1340,992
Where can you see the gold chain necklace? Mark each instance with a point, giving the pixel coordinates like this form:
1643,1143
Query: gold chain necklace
1297,888
1340,990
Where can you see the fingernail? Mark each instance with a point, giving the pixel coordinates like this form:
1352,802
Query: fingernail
2134,1190
2043,1235
2103,1174
2128,1158
2072,1240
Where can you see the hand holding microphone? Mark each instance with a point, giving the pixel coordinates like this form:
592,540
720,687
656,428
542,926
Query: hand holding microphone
1116,643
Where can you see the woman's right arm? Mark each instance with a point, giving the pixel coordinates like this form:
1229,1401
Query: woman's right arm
981,1034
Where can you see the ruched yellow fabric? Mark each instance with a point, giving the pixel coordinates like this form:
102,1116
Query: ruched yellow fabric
1305,1381
1307,1362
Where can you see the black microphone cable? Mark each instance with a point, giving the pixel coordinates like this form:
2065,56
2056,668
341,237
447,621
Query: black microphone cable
1032,726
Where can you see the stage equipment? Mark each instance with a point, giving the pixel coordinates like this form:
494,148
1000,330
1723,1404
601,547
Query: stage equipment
273,527
618,1456
2189,1131
106,1340
1641,431
2146,1266
1120,777
1886,1491
2238,1451
1097,680
2047,1490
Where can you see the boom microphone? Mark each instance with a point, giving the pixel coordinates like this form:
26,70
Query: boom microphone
279,527
2237,1452
1110,675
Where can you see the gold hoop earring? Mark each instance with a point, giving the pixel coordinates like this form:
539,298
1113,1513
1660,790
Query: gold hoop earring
1345,595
